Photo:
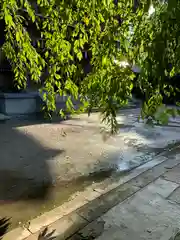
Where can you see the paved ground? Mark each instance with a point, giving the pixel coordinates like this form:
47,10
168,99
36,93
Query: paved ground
142,205
151,212
44,164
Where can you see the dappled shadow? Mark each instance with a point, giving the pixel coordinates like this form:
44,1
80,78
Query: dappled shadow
46,235
90,232
153,132
4,224
83,231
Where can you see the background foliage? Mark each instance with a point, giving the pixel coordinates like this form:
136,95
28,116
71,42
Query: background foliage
158,44
68,28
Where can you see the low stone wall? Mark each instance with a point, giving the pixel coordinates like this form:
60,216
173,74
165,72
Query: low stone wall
20,103
16,104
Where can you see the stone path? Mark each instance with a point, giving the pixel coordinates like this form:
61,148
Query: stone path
151,210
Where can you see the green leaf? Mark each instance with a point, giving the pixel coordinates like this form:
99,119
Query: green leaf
46,54
17,36
104,60
79,55
57,76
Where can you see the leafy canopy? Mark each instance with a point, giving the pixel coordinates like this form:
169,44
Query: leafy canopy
70,27
159,57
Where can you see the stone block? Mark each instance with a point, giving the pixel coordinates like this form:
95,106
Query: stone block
162,187
175,196
20,103
149,176
17,234
61,229
67,226
173,175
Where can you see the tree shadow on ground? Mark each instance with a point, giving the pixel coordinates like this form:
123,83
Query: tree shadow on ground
24,172
27,186
4,224
92,231
46,235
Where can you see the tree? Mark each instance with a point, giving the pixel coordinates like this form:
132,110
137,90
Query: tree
68,28
159,49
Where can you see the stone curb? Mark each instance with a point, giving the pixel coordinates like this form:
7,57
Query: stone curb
67,219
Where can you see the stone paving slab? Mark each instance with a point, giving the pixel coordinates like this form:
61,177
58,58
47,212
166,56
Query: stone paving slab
175,196
173,175
99,206
146,215
150,175
163,188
